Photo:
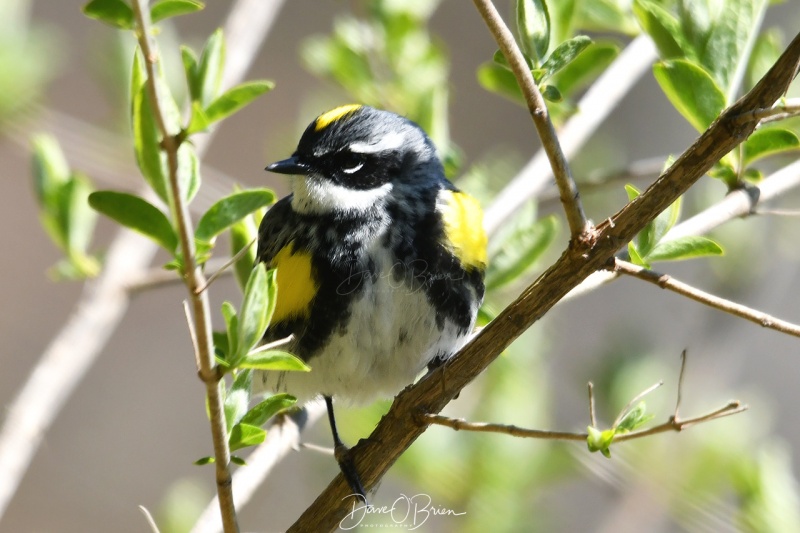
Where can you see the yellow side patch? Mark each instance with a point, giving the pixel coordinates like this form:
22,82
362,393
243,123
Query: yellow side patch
463,228
296,284
325,119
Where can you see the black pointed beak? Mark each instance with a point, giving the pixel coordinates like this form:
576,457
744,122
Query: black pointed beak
289,166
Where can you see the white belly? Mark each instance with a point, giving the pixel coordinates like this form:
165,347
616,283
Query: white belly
391,336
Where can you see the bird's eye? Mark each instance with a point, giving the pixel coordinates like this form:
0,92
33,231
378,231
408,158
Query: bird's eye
350,162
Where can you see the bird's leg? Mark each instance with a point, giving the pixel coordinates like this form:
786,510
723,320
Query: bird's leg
342,455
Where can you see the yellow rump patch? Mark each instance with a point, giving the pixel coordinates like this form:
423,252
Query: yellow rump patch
463,228
325,119
296,284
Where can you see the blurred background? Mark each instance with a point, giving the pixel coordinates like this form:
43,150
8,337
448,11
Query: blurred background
136,422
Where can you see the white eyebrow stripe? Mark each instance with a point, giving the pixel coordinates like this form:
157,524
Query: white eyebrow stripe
390,141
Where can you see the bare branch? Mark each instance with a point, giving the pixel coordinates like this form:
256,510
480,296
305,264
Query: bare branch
592,412
506,429
570,198
673,424
667,282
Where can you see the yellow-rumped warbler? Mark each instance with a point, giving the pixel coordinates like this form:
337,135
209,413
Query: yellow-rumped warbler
380,261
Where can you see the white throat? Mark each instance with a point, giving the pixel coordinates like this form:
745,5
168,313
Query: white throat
318,196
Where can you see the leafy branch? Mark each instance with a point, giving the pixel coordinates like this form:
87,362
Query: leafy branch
667,282
570,199
192,274
626,427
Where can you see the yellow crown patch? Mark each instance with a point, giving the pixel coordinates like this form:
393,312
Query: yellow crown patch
325,119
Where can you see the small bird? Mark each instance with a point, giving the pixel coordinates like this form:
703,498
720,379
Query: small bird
380,262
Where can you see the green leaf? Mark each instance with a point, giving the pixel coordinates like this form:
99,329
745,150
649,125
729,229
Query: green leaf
164,9
244,435
221,346
232,328
210,67
663,28
634,419
599,441
146,137
500,59
520,251
636,257
499,80
229,210
533,25
188,172
204,461
666,220
79,218
770,141
586,67
551,94
235,99
564,54
243,233
268,408
692,91
237,398
137,214
253,315
50,169
684,248
605,16
722,36
199,120
114,12
190,69
274,360
767,49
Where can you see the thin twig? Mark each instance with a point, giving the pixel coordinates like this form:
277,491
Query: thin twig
570,198
221,270
598,102
192,274
736,204
592,412
788,107
633,402
778,212
156,277
149,518
274,344
678,398
731,408
192,333
324,450
667,282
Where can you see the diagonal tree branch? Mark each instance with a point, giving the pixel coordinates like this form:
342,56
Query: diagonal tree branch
667,282
400,427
